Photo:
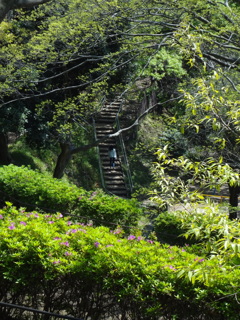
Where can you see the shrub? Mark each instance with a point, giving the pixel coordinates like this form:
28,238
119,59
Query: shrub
32,189
169,229
71,268
207,226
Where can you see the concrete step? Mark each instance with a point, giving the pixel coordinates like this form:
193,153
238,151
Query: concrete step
111,110
105,117
106,128
119,183
104,121
106,160
102,134
118,193
114,189
103,146
113,172
113,175
108,113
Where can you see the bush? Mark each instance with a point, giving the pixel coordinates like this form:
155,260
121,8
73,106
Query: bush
169,229
208,227
75,269
31,189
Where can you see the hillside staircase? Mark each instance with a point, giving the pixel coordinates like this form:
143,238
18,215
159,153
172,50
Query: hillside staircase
113,178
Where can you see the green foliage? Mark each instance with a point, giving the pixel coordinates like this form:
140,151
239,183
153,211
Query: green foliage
32,189
165,63
182,180
145,279
66,55
208,225
169,229
41,159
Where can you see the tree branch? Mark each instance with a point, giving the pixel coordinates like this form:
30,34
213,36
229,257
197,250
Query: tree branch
116,134
7,5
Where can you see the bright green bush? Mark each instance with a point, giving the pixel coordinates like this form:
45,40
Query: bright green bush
79,270
32,189
207,226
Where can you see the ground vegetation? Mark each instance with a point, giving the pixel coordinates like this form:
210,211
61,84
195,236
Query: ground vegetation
89,255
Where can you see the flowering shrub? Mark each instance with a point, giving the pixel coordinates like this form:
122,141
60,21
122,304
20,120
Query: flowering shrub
32,189
68,267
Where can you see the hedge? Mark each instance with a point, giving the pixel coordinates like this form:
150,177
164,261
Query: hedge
32,189
65,267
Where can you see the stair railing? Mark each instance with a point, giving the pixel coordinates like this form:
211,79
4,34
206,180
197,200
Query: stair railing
124,154
123,151
99,158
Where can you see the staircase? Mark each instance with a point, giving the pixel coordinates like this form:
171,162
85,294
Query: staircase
113,177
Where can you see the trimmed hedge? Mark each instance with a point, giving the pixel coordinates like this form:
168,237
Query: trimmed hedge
31,189
65,267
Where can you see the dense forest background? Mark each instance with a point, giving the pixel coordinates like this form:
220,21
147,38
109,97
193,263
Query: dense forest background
174,65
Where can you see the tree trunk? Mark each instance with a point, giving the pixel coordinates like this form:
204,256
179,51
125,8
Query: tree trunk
4,154
233,201
63,160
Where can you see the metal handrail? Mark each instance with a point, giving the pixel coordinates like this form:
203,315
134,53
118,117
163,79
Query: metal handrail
124,153
99,158
99,161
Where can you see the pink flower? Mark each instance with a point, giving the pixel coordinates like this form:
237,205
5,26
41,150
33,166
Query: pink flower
56,238
12,226
131,237
29,214
199,260
68,253
96,244
1,216
23,223
117,231
150,241
171,267
50,222
56,262
69,223
66,243
73,230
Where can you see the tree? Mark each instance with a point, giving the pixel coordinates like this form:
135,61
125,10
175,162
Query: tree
51,70
7,5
